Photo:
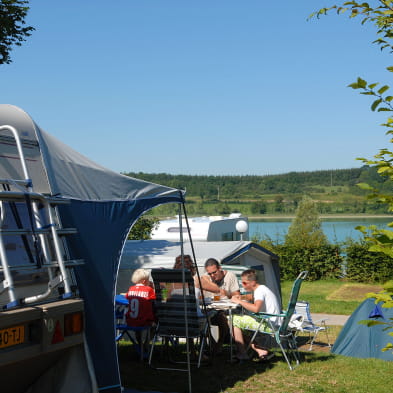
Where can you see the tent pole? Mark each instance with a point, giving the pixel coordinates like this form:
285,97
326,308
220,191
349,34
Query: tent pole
204,308
185,299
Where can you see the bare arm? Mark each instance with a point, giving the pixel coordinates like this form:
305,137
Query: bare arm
229,294
253,307
208,285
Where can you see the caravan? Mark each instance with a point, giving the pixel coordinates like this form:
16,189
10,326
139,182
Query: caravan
206,228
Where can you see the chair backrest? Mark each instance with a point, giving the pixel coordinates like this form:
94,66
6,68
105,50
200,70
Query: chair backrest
176,308
303,308
121,307
292,301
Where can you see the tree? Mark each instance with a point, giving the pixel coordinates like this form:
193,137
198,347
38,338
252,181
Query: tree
278,203
380,240
142,228
305,230
12,29
258,207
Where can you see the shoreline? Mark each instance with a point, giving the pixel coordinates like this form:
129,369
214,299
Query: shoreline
321,216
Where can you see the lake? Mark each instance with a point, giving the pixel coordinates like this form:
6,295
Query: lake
336,230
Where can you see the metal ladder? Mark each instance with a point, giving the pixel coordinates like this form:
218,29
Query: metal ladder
43,233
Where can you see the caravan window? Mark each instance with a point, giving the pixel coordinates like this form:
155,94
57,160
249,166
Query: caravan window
227,237
177,229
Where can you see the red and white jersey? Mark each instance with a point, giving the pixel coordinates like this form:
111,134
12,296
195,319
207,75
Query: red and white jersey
140,305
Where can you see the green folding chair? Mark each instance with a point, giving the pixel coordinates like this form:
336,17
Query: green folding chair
280,330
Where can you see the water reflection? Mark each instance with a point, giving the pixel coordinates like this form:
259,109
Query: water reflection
336,230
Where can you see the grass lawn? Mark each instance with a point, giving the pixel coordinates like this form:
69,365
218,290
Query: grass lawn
330,296
320,371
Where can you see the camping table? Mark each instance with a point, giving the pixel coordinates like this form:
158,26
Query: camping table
227,306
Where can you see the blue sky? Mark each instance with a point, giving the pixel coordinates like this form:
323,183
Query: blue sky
207,87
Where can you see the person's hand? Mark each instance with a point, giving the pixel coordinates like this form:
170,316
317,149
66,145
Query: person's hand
236,299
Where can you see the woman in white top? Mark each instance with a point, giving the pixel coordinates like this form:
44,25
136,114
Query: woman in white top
264,301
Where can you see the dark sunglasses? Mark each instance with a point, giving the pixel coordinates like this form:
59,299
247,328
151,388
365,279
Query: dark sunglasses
210,274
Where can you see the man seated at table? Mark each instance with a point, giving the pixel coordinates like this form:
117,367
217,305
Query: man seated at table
264,301
223,283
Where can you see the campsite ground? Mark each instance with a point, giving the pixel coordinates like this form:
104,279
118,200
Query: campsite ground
320,371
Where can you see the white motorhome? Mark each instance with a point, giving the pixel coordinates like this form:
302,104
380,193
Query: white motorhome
207,228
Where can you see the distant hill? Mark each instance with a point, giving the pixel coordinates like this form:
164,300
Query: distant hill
335,191
251,186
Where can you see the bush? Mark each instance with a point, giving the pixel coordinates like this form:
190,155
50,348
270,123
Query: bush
366,266
321,262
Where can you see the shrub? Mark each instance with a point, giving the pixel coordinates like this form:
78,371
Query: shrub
366,266
321,262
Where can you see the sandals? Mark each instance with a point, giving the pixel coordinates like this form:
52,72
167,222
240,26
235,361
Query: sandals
265,358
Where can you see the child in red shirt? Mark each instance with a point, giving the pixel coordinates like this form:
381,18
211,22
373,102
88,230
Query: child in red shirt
140,300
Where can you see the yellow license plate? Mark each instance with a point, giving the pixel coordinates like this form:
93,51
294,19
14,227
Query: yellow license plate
12,336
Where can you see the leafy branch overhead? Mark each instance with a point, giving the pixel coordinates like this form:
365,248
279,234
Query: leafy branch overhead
380,13
12,27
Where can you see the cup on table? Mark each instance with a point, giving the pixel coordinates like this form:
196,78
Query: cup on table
216,298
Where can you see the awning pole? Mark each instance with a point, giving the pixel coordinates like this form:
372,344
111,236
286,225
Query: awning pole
185,298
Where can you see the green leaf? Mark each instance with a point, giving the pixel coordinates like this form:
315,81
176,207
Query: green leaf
364,186
370,323
375,104
362,83
388,347
354,85
383,89
383,169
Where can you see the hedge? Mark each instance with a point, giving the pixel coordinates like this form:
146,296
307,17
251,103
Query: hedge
352,262
365,266
321,262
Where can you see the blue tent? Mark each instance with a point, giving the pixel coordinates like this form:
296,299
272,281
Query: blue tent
360,341
104,206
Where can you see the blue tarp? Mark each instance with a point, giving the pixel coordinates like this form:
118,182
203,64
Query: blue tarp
361,341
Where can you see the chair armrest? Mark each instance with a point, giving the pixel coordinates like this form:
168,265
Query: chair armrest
265,315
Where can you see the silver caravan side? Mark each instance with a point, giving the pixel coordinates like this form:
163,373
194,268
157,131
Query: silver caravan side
206,228
41,314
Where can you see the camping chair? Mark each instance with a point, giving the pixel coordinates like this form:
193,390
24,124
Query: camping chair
122,329
282,333
307,325
177,314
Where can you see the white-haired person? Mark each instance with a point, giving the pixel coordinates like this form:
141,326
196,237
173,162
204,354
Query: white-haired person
264,301
140,298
